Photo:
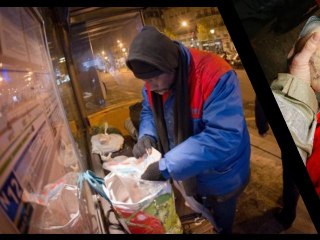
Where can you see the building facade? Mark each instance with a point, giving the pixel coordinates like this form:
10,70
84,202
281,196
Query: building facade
198,27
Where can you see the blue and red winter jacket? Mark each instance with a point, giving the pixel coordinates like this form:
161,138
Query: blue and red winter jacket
218,153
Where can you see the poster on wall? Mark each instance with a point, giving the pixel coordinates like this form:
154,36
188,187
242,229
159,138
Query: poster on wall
22,41
13,44
34,41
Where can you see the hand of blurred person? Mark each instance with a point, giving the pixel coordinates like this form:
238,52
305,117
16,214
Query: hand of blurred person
301,65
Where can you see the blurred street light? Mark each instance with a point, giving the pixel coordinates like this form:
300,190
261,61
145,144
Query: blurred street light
184,24
212,31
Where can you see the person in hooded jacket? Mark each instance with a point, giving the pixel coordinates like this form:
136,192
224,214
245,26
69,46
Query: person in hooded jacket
297,93
192,113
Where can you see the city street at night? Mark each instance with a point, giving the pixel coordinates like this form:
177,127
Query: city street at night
81,155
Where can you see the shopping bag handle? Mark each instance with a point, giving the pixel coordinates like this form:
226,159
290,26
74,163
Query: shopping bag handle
95,182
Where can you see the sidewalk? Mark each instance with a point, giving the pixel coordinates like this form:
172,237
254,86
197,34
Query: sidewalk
263,194
256,204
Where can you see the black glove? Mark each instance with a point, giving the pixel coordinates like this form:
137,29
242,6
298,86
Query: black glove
144,143
152,173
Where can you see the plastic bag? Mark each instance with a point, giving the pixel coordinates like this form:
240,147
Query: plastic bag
59,209
130,166
141,206
67,156
103,143
195,205
144,207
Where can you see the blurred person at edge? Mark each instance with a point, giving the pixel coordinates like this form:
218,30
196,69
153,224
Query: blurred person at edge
297,94
284,15
192,113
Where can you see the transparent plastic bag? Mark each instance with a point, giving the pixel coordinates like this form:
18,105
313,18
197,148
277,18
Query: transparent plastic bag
58,208
144,207
131,166
141,206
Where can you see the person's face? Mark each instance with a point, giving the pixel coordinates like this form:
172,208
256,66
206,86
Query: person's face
162,83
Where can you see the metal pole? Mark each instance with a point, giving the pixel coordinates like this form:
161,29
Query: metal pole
65,43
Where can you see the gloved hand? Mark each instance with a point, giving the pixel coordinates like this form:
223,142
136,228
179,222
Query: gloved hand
152,173
143,145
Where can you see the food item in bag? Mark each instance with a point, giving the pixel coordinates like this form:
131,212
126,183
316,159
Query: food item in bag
141,222
157,218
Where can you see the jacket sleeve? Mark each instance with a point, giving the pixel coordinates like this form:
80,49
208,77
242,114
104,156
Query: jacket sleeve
298,104
222,139
147,126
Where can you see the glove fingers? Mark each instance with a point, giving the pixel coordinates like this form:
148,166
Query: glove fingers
144,144
147,144
137,152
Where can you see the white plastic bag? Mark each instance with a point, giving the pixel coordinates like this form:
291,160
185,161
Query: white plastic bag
58,208
103,143
144,207
130,166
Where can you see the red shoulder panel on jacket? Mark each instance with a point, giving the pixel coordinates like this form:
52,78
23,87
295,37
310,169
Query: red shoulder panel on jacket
205,71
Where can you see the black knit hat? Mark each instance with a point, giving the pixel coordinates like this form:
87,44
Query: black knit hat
152,53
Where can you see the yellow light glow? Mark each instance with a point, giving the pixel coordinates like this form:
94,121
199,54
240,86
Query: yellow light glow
184,24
